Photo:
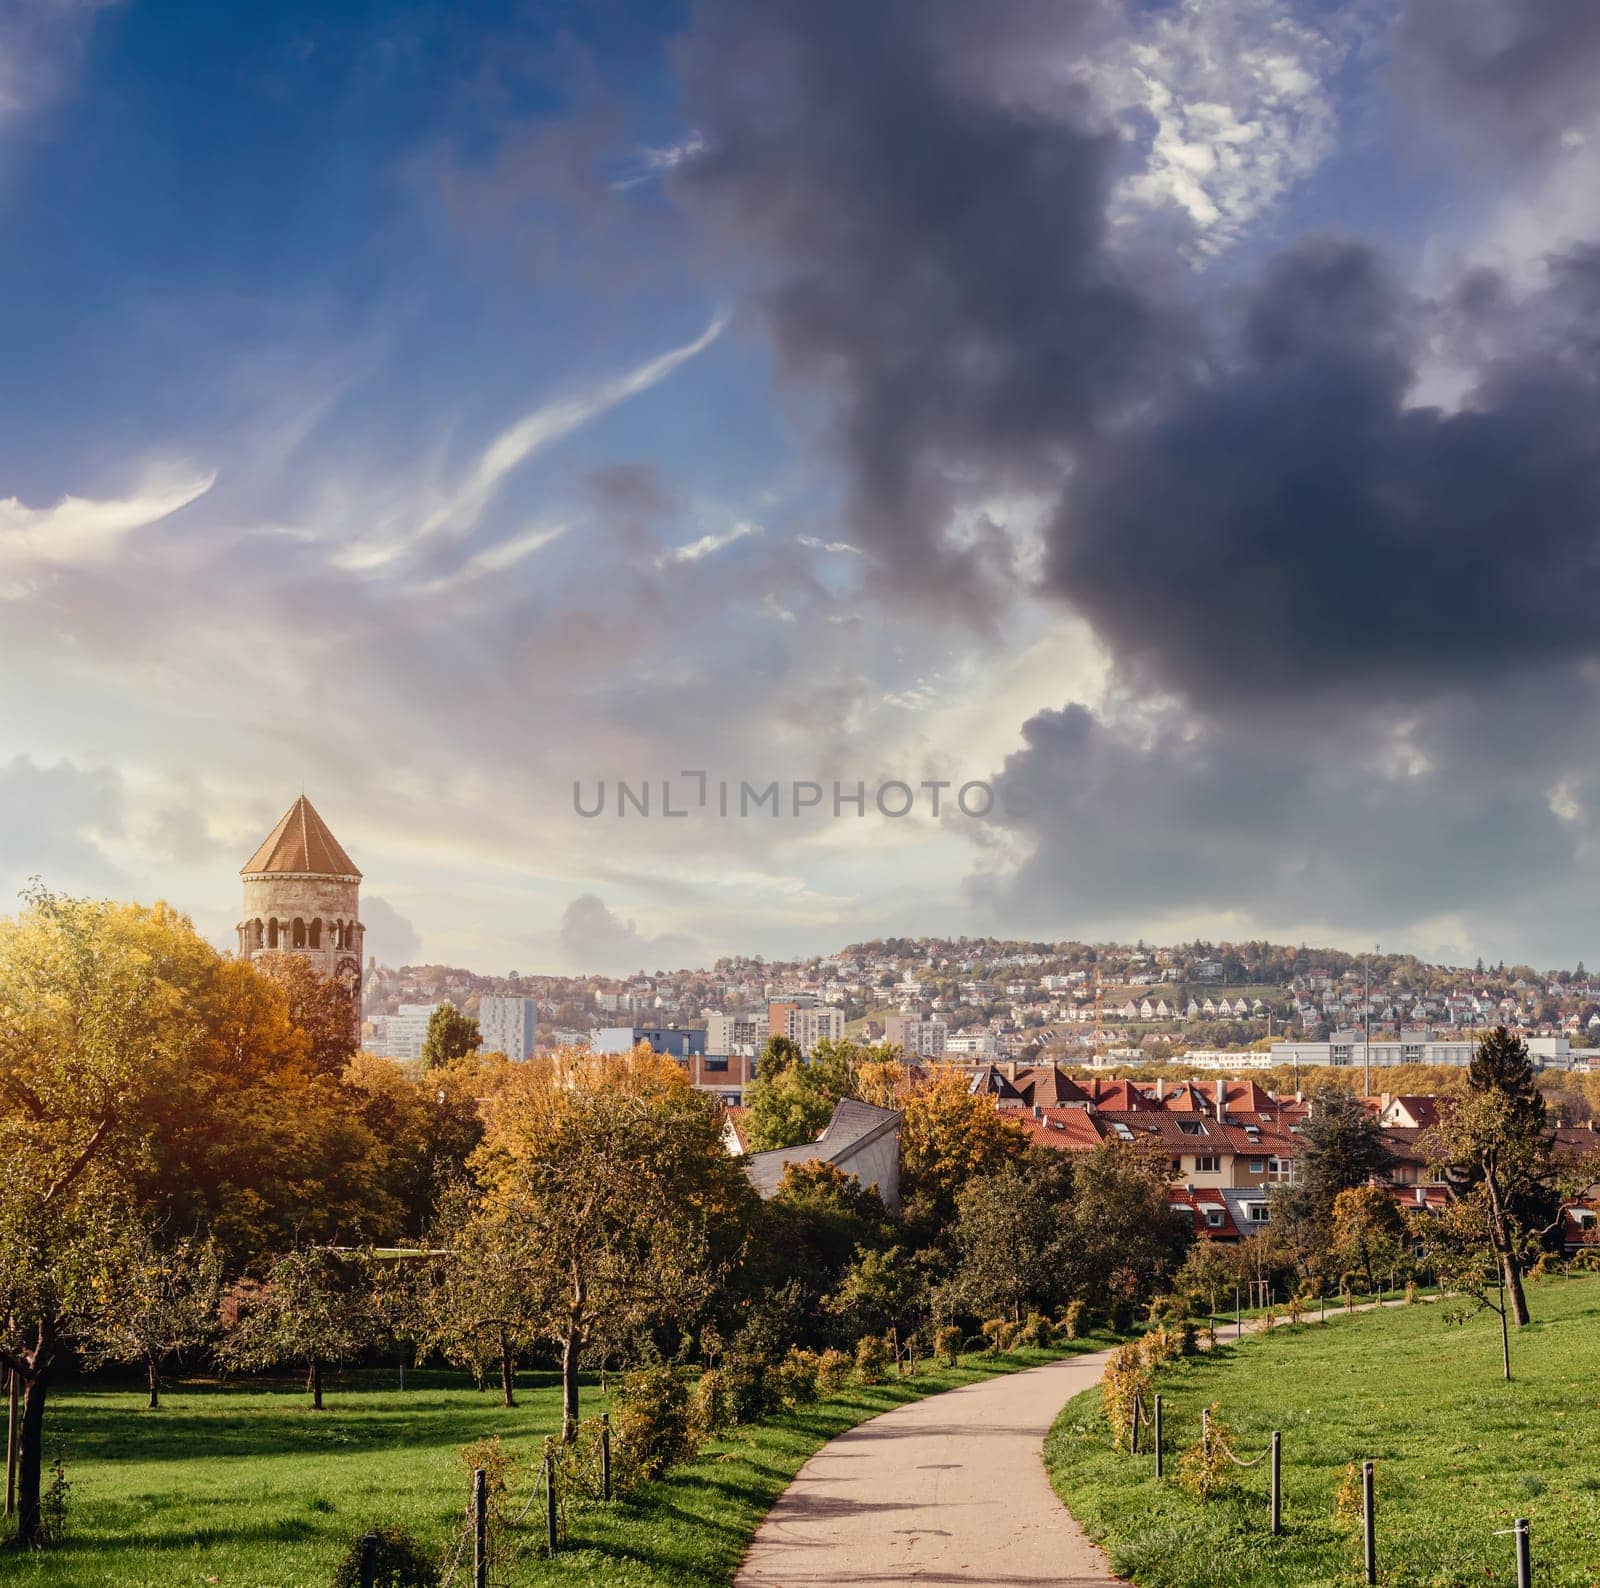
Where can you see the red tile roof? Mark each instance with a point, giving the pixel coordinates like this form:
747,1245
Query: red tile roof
300,843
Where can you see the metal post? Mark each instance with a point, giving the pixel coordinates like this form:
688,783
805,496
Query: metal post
480,1528
1524,1554
1322,1304
369,1560
1133,1432
605,1455
1369,1522
550,1500
1238,1317
1158,1436
11,1443
1277,1483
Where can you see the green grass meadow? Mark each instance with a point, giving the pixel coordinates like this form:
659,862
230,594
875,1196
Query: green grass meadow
244,1487
1459,1453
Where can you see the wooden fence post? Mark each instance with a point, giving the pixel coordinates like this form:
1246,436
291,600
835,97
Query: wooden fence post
549,1498
369,1560
1158,1435
1369,1523
1277,1483
480,1528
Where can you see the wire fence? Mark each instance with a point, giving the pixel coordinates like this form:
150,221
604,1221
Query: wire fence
1215,1445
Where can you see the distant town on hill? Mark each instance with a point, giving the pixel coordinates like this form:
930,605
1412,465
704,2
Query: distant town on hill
988,998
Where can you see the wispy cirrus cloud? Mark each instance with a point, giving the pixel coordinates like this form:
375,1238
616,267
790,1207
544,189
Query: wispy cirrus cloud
543,427
78,530
708,544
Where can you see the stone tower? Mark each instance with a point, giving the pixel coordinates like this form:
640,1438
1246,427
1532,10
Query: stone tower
302,897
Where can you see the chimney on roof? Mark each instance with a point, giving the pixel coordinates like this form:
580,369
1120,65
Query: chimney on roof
1038,1110
1222,1097
1161,1088
1299,1096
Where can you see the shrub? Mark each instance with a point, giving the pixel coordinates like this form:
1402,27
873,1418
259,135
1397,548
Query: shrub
872,1358
576,1465
1126,1379
1160,1344
497,1462
1204,1468
650,1419
1347,1498
53,1501
708,1405
947,1343
795,1378
833,1371
1168,1309
1411,1292
1074,1320
995,1331
1188,1338
1295,1307
1036,1330
401,1562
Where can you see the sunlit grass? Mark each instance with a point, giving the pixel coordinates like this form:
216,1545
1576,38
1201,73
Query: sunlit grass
1459,1453
246,1488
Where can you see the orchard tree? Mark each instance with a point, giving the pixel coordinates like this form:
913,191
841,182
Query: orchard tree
451,1035
153,1302
1009,1238
610,1173
314,1309
1368,1230
480,1300
93,1024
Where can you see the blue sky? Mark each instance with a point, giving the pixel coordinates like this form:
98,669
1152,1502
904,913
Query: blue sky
434,406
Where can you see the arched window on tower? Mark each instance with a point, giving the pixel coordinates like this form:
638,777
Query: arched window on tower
258,934
337,928
316,933
299,933
272,933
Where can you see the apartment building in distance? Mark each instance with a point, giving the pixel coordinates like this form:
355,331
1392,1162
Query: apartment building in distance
805,1023
917,1039
400,1035
508,1025
1349,1048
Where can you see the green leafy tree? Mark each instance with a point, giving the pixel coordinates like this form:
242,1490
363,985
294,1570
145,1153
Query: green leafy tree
1009,1238
883,1292
154,1302
479,1295
1122,1242
93,1025
451,1035
610,1172
314,1309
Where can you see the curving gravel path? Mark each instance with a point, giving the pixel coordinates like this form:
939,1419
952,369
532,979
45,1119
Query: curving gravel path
950,1489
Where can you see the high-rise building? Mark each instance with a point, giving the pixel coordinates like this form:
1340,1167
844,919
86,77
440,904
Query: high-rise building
400,1035
508,1025
805,1024
916,1039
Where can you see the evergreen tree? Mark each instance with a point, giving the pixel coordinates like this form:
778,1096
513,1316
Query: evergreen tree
1501,1064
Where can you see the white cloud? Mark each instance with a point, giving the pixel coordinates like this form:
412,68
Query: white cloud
543,427
1239,95
842,546
78,531
707,544
650,163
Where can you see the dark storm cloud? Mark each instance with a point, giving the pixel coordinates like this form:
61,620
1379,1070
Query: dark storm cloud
1286,525
1362,821
927,244
1514,75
